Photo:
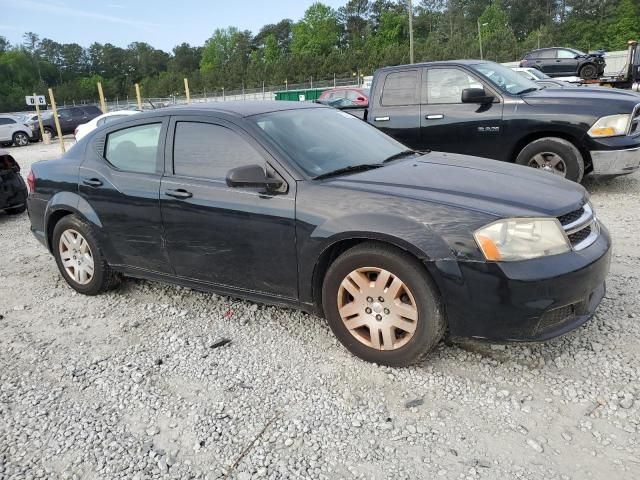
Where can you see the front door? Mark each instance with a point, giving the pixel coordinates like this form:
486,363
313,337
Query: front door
120,181
243,238
566,62
448,125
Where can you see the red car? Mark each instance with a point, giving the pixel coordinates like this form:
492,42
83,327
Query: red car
344,96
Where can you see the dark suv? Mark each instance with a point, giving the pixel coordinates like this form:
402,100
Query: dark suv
69,118
558,62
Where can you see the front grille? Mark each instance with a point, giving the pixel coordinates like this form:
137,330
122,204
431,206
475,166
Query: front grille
570,217
579,236
580,226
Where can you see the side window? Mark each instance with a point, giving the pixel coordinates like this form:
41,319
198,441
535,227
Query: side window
566,54
445,85
533,55
550,53
134,149
6,121
401,88
66,114
205,150
77,112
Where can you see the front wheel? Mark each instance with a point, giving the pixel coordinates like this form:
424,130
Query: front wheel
588,71
382,306
79,257
553,155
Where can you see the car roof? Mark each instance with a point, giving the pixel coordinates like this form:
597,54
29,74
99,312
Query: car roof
437,63
237,108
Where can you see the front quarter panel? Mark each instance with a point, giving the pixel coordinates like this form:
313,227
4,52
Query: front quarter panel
436,234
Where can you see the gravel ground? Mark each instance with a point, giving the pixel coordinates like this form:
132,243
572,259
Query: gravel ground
139,383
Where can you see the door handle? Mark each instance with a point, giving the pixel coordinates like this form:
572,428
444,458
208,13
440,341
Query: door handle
180,194
435,116
381,119
92,182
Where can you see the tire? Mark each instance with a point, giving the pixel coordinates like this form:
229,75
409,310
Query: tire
16,210
50,131
544,154
103,277
588,71
20,139
396,348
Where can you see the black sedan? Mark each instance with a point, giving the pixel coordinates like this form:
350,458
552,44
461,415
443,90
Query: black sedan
302,205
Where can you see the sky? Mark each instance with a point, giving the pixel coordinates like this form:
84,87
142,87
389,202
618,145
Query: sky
161,23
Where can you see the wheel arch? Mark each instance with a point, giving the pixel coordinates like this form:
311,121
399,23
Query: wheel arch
67,203
573,139
340,244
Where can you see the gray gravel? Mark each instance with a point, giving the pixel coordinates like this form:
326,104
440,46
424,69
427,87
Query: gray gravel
138,384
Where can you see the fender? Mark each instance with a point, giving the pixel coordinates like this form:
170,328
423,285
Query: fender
316,246
70,202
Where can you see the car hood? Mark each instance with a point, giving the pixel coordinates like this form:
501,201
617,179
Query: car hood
472,183
618,101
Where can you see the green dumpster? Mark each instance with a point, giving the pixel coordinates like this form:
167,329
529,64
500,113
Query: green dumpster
300,95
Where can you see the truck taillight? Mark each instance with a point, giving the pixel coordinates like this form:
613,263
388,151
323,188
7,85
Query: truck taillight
31,182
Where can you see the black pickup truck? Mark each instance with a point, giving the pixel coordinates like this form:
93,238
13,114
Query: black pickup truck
485,109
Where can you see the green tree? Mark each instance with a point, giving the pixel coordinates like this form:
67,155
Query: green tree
498,40
624,26
317,33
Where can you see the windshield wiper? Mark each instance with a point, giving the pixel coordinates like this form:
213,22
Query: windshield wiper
404,153
527,90
350,169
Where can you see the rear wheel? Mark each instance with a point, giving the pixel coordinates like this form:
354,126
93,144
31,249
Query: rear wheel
588,71
50,131
382,305
20,139
79,257
553,155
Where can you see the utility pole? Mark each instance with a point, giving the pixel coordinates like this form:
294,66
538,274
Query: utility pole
410,32
480,37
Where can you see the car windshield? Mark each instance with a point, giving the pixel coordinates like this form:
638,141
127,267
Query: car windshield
538,74
323,140
505,79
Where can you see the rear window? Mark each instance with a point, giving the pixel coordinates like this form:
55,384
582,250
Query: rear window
134,149
401,88
6,121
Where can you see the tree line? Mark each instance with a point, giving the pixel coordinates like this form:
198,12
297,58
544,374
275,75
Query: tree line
360,36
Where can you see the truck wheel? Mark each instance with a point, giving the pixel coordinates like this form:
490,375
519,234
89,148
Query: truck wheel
382,306
588,71
553,155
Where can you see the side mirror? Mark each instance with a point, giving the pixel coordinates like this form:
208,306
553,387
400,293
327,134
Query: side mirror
476,95
251,176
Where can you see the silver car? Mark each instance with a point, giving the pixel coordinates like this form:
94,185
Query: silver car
14,132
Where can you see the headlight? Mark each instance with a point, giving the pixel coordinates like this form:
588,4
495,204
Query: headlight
521,239
610,126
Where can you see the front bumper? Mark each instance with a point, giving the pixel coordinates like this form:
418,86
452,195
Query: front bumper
532,300
615,162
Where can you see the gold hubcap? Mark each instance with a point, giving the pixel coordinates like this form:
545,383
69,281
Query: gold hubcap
377,308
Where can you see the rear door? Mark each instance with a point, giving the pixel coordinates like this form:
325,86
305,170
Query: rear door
449,125
6,129
545,60
120,180
397,108
243,238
